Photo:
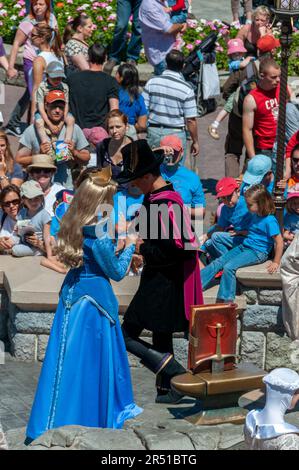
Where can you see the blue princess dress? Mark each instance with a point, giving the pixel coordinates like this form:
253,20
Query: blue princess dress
85,378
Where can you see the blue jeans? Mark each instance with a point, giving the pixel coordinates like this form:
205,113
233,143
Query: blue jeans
155,134
159,68
221,243
234,259
124,10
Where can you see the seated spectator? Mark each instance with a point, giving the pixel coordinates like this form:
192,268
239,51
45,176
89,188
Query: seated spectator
232,225
54,76
131,102
10,171
42,170
258,171
294,165
10,202
76,33
33,226
61,204
93,93
30,144
184,181
291,216
263,235
109,150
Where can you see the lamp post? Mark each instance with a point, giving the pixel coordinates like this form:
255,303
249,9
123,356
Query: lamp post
285,11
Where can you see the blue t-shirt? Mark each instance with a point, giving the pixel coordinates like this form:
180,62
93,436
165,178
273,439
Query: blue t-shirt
291,222
133,109
237,217
260,233
186,183
127,205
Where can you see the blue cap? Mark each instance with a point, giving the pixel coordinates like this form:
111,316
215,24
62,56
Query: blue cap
55,69
257,167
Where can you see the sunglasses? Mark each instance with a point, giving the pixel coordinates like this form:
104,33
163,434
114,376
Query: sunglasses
295,161
35,35
14,202
47,171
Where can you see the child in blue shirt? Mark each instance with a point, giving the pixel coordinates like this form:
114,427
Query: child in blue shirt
263,232
233,222
291,217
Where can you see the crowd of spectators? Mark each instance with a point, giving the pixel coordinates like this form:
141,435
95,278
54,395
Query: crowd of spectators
80,116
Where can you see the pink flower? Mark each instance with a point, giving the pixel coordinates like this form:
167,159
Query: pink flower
190,47
219,49
198,41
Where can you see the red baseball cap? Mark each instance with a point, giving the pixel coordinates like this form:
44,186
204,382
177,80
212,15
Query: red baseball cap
267,43
55,95
226,186
172,141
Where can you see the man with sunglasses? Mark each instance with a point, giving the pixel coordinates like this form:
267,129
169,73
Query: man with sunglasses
78,153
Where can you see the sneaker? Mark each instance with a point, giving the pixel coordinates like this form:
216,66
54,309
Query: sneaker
218,275
109,66
16,131
213,132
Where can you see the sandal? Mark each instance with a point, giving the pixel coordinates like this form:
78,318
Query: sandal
213,132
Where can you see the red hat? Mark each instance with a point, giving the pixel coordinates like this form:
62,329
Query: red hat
267,43
226,186
55,95
172,141
293,191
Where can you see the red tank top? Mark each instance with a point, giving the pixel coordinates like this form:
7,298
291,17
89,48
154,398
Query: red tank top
265,116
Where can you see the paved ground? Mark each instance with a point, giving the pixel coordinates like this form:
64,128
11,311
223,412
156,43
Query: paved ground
212,9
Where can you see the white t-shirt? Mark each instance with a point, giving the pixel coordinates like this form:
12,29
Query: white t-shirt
51,197
7,227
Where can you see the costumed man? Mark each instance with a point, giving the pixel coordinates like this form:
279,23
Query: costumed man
170,280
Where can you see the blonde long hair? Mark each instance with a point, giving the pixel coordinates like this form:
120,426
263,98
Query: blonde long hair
95,189
9,160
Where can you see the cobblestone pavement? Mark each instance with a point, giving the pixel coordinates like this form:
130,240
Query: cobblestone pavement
211,10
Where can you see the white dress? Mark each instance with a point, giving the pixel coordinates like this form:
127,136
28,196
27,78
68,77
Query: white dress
3,442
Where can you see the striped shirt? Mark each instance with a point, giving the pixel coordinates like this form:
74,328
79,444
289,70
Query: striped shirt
169,100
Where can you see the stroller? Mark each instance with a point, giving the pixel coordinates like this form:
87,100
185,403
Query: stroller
204,53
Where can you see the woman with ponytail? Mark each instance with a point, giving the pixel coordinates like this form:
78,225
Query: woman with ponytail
40,11
48,41
75,38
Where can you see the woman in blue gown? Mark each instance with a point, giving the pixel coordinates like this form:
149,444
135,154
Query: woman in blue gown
85,379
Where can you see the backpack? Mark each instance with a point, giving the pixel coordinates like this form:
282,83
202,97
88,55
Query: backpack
249,83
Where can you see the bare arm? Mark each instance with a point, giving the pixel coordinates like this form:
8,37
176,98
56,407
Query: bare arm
175,28
24,156
80,61
39,66
20,39
81,155
113,103
249,108
274,265
47,240
140,125
192,128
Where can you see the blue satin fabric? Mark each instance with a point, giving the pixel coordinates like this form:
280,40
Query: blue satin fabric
85,379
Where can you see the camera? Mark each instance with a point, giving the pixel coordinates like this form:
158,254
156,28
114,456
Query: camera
171,159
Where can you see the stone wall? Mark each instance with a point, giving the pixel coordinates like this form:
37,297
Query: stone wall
263,340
